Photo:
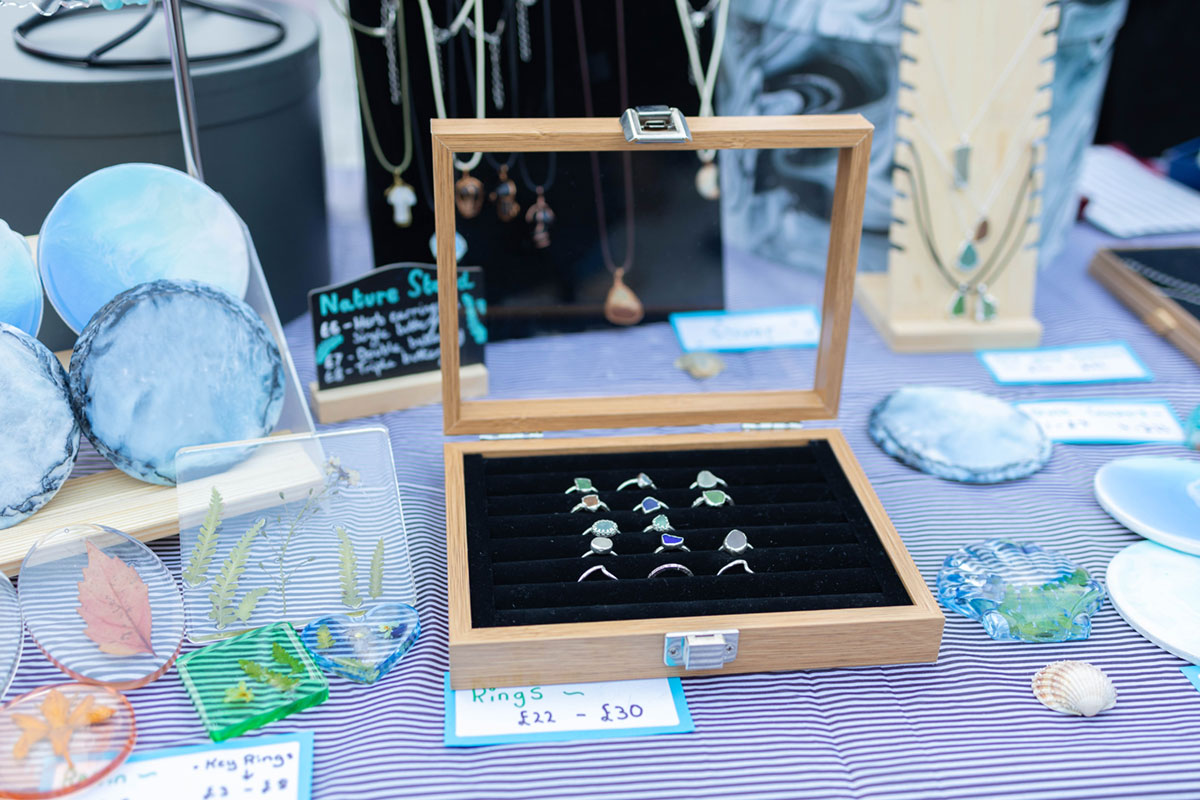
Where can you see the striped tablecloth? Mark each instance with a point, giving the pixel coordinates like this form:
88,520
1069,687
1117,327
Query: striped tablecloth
967,727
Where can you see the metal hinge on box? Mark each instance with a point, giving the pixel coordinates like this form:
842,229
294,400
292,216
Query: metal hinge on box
700,649
494,437
655,124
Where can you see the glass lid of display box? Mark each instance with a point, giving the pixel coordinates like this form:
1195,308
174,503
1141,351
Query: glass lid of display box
611,295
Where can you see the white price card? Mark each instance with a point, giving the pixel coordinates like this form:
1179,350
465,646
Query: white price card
1103,362
764,329
1106,421
274,767
565,711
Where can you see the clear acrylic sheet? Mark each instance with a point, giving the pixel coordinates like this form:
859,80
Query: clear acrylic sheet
298,528
12,633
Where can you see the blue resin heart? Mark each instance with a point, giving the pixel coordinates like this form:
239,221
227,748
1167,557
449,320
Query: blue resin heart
1154,496
363,648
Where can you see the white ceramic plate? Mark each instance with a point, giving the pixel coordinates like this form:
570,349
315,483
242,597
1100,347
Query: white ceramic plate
1157,591
1155,497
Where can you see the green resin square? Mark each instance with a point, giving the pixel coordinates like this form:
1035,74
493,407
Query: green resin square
251,680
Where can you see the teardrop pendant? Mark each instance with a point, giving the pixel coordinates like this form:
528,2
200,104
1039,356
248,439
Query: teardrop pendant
468,195
981,230
958,303
708,181
985,305
967,256
541,217
622,306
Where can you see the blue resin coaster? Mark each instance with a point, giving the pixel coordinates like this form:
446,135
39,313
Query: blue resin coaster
1154,496
20,286
366,647
1020,591
172,364
133,223
40,435
959,435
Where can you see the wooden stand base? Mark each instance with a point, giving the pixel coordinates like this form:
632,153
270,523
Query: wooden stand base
392,394
147,511
939,336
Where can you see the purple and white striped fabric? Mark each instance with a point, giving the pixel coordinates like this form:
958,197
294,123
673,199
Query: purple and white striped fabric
967,727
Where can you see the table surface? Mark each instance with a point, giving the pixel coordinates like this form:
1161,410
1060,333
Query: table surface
967,726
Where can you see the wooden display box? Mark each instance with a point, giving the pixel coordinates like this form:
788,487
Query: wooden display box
491,645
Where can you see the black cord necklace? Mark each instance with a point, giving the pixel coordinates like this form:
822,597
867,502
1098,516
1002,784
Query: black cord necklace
540,215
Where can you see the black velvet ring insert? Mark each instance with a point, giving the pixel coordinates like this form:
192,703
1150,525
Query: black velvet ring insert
814,546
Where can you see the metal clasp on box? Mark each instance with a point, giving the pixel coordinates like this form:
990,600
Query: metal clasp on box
700,649
655,124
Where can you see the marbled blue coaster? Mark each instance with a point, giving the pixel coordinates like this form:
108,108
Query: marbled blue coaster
1155,496
959,435
39,437
172,364
20,286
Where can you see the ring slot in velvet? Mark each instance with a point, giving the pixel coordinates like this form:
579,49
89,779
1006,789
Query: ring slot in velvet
814,546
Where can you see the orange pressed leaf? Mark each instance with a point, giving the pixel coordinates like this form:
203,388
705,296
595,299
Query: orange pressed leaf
58,724
114,601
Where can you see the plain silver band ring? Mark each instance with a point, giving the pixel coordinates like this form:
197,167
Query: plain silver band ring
659,570
598,568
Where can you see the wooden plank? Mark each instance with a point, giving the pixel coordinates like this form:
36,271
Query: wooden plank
391,394
517,655
147,511
1160,313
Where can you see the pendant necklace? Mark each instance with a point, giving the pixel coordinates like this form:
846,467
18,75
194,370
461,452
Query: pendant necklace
468,190
504,196
400,195
539,215
524,46
958,164
691,21
621,306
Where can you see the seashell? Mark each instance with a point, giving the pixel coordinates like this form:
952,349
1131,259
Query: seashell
701,365
1074,687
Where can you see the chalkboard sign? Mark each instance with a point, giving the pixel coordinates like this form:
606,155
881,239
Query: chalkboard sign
385,324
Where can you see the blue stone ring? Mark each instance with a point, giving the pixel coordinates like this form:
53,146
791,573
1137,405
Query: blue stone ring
672,542
590,502
649,505
581,485
599,569
741,562
603,527
641,481
714,498
706,480
600,546
660,524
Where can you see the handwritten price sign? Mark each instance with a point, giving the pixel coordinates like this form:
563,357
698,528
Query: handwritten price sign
1106,421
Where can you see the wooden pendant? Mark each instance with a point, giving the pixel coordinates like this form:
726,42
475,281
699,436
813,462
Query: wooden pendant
468,195
541,216
622,306
505,197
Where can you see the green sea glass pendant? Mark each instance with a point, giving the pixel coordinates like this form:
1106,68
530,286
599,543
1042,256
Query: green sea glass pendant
985,307
968,257
251,680
958,303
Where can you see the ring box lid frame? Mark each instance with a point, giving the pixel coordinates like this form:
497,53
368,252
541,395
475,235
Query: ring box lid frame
622,649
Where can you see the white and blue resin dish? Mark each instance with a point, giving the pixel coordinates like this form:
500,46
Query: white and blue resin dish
132,223
1020,591
959,435
364,648
1157,591
20,286
171,364
1154,496
40,435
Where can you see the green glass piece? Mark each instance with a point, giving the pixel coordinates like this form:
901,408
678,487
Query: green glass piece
987,307
958,306
714,497
967,257
261,660
584,485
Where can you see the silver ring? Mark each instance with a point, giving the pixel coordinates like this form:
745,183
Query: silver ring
649,505
581,485
659,524
672,542
706,480
590,502
735,543
603,527
713,497
659,570
741,562
641,481
598,569
600,546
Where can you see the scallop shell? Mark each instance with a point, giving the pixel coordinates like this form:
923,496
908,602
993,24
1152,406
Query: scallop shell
1074,687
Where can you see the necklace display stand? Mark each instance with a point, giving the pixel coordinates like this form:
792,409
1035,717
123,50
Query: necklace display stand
974,103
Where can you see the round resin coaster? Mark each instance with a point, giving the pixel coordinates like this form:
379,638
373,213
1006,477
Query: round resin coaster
20,286
133,223
57,740
1154,496
1157,591
959,435
101,606
12,633
173,364
40,437
1020,591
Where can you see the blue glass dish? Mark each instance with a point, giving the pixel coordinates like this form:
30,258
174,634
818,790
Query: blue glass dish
1020,591
363,648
